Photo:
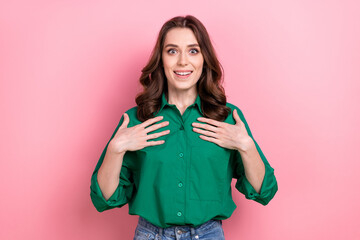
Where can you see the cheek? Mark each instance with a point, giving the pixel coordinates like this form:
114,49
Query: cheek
200,62
166,66
200,67
168,63
165,60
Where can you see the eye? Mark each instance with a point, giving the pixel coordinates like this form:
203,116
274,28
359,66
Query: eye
171,50
194,50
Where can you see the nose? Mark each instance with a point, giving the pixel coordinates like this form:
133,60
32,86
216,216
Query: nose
182,59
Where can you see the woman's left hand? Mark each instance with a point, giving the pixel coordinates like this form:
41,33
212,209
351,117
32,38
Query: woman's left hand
224,134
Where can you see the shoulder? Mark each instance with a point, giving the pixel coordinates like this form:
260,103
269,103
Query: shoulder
233,107
230,118
132,113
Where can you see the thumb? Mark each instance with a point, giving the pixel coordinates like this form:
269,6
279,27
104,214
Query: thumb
125,122
236,116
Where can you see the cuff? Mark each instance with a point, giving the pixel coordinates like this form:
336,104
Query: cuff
268,188
117,199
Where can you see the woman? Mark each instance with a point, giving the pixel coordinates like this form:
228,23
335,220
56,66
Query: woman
173,156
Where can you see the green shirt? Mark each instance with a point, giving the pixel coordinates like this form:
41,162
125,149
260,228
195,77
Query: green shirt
186,180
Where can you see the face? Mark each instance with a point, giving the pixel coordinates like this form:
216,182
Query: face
182,59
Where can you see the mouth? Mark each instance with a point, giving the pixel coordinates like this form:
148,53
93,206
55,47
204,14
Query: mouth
183,74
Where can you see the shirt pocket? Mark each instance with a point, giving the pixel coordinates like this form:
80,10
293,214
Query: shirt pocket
208,169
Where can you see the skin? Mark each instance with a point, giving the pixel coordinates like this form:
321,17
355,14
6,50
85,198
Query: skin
181,55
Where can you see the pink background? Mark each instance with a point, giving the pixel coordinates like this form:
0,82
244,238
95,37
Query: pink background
69,69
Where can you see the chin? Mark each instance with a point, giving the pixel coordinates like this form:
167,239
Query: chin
182,86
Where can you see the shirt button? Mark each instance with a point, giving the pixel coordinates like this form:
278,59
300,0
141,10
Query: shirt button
179,214
180,184
179,232
181,154
197,236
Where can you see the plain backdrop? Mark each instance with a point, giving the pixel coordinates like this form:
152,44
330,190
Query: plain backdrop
69,70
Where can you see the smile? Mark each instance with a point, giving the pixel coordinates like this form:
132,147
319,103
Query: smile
183,74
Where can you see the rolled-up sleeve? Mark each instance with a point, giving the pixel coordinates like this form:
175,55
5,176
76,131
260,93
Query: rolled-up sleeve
124,190
269,185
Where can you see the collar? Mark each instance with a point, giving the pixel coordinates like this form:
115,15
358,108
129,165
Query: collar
164,102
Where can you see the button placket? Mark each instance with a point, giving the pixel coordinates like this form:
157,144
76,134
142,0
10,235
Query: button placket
181,148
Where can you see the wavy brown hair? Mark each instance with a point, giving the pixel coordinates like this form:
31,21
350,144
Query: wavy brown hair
209,85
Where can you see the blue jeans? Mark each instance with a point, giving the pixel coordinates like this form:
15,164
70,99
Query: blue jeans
211,230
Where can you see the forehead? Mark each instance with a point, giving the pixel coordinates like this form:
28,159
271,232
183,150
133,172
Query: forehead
180,36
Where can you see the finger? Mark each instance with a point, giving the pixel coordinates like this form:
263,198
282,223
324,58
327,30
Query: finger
125,122
156,135
203,132
210,139
156,126
210,121
151,121
153,143
236,116
205,126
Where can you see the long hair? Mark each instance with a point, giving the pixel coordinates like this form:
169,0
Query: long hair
209,85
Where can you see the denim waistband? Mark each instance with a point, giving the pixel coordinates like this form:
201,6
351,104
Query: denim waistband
170,231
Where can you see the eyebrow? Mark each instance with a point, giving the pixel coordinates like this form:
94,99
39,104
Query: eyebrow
174,45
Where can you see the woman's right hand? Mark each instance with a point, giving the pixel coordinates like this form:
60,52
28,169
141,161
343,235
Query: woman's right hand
135,138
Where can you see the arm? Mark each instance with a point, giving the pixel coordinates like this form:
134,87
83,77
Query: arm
253,165
111,188
255,176
109,172
112,183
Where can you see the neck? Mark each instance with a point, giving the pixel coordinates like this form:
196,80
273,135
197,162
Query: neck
182,99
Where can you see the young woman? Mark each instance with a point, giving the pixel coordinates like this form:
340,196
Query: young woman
173,156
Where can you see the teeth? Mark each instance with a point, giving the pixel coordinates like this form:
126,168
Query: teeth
183,73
